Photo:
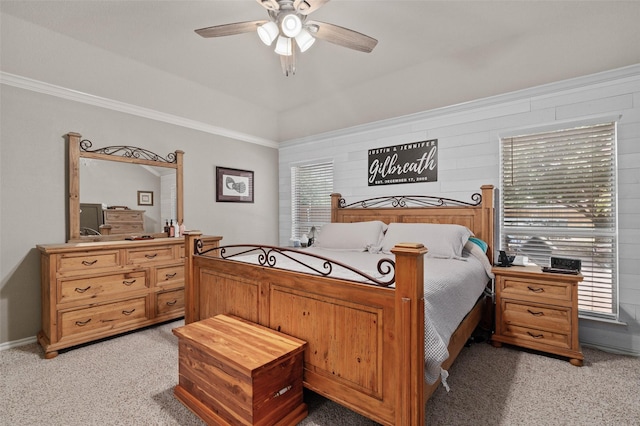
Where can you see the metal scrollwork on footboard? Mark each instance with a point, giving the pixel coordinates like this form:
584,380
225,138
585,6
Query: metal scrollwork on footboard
266,256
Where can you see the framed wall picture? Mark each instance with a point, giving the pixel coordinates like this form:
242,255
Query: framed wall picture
233,185
145,198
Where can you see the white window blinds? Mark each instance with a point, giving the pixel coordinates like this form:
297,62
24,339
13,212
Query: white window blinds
559,199
311,188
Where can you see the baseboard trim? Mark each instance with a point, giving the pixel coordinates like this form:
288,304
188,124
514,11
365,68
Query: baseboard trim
611,349
16,343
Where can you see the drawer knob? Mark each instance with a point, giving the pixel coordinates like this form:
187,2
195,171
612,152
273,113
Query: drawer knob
128,283
81,290
535,314
173,302
535,336
535,289
83,323
171,275
87,263
150,256
125,312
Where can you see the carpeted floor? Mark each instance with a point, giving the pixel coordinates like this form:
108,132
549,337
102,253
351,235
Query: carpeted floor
129,380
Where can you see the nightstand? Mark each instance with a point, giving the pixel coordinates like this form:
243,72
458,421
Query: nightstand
537,310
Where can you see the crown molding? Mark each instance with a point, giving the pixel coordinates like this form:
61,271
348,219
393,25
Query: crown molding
614,76
86,98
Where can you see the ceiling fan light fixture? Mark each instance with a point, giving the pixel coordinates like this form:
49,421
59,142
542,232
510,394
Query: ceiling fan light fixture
283,46
288,25
268,32
291,25
305,40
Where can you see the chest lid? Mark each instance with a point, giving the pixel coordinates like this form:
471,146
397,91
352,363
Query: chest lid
244,345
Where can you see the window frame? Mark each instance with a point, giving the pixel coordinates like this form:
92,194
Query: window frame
569,233
322,204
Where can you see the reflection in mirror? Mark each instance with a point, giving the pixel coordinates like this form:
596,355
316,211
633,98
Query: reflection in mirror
121,191
105,184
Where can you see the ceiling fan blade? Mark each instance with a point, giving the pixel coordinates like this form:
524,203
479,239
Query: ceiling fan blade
230,29
341,36
269,4
305,7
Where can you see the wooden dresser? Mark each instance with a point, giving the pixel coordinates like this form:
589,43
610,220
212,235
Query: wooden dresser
124,221
97,289
538,310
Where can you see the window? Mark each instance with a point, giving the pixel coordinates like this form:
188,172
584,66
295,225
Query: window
311,188
558,199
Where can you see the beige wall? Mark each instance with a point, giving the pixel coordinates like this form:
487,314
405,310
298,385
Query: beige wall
66,85
33,200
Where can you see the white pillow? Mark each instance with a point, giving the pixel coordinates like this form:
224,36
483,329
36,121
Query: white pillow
442,240
356,236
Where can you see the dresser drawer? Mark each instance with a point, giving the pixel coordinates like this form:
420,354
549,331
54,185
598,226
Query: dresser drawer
555,319
170,301
170,275
539,337
126,228
123,215
103,317
101,286
87,262
150,254
540,291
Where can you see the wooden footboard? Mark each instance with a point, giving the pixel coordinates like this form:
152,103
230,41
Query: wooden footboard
374,366
365,343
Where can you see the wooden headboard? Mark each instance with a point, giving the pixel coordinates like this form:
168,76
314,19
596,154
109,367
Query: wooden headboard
477,215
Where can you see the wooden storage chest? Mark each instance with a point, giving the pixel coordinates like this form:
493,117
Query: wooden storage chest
235,372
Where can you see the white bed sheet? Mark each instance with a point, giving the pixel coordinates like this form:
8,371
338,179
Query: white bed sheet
451,288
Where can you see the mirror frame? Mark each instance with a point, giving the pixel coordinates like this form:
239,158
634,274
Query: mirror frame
81,148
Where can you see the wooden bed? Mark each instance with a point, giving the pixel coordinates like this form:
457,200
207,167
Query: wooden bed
365,342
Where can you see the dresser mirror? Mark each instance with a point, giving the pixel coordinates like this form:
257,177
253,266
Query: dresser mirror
119,192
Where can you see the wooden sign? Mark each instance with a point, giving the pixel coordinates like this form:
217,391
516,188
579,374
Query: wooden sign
407,163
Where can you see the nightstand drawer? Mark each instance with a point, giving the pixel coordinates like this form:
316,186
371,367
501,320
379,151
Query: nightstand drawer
536,291
539,317
541,337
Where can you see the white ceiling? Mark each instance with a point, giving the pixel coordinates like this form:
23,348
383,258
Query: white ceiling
430,53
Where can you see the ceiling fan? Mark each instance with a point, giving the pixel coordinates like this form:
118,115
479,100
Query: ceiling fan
288,25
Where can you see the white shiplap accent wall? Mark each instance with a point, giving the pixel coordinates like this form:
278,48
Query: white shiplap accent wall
468,142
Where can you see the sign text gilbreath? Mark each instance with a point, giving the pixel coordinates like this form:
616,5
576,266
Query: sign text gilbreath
407,163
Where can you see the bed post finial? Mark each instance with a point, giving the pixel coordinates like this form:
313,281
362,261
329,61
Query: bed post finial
335,205
191,293
488,219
